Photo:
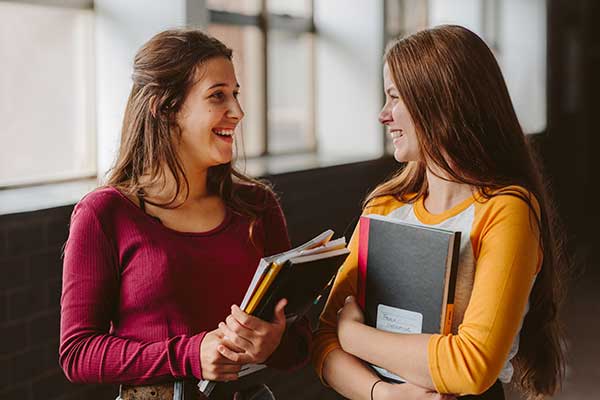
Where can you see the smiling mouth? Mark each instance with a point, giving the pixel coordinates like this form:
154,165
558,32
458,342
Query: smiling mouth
396,134
223,132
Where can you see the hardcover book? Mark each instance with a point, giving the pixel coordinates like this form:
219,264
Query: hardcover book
407,277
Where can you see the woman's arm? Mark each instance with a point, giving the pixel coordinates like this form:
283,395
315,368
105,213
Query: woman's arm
469,362
385,349
344,372
88,352
350,377
325,339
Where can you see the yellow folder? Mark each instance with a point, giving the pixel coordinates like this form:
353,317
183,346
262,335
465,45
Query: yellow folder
262,289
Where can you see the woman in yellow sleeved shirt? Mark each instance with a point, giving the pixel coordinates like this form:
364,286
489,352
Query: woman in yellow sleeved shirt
468,168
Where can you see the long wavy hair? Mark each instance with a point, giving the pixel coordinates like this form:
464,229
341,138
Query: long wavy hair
467,127
163,73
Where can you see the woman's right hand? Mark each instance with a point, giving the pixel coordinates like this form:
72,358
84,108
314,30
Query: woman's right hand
215,366
407,391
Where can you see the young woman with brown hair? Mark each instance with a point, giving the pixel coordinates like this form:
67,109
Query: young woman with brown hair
156,259
468,168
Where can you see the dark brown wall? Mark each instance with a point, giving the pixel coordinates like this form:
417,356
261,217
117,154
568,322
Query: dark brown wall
573,138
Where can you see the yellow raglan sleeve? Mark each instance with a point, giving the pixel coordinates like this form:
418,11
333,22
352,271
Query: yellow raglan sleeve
325,338
508,257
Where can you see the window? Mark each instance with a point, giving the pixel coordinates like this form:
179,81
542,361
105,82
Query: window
273,45
47,99
514,29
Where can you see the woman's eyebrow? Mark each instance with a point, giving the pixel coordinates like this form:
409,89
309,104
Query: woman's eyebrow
221,84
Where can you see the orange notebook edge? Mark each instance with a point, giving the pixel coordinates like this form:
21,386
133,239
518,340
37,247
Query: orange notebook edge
450,287
448,319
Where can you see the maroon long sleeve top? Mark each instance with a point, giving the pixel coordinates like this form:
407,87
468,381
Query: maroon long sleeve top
139,297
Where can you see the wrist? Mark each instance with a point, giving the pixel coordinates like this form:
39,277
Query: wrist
379,390
387,390
195,360
345,335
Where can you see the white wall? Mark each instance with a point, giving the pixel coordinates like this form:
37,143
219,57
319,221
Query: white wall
349,78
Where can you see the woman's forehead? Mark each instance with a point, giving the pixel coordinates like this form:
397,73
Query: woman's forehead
387,77
216,71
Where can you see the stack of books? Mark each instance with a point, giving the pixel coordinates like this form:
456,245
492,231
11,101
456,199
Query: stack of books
300,275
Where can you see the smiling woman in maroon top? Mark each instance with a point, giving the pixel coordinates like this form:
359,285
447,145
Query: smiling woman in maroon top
155,260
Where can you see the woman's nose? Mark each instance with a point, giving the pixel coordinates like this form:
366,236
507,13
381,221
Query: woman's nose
235,110
384,115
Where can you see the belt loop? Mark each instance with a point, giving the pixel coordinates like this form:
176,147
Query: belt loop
178,392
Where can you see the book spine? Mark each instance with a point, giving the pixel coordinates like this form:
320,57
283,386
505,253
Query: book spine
447,327
265,308
363,253
265,284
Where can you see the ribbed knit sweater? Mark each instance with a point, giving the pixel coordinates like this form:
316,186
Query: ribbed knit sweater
139,297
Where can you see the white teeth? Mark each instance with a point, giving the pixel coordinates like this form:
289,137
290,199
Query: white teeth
223,132
396,134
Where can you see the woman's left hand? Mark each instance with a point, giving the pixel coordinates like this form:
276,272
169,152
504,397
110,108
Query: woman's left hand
257,338
350,311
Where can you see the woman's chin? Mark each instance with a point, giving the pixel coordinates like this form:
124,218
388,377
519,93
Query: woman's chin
399,156
224,159
403,156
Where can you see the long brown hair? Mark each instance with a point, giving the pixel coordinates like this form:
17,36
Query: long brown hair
163,72
466,126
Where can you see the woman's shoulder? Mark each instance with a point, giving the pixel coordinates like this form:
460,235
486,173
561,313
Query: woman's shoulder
102,201
513,200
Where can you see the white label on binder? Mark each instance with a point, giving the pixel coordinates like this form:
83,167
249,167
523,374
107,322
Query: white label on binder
392,319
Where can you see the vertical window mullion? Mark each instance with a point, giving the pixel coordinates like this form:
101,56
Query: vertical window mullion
264,26
313,74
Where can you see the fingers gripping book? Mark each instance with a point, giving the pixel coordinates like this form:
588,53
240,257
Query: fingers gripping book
299,275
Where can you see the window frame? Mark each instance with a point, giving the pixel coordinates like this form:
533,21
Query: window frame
265,21
76,177
490,17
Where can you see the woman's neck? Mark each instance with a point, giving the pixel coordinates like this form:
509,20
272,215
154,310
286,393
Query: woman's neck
444,194
164,190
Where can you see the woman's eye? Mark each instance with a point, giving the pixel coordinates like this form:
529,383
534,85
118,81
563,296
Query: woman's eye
218,95
236,94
